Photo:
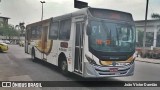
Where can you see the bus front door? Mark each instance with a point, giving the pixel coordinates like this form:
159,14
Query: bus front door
78,65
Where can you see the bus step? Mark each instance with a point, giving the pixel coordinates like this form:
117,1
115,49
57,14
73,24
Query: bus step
77,71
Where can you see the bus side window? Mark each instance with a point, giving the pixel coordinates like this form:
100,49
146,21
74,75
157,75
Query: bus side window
33,33
39,31
29,34
53,32
65,28
36,32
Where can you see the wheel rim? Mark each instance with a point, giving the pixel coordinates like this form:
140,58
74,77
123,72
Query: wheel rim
64,65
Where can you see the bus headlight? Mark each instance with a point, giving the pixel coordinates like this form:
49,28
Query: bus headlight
125,63
90,60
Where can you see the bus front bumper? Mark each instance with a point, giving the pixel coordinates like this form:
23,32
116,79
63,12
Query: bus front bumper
104,71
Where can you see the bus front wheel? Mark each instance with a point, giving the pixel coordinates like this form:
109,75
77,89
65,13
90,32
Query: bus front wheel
64,67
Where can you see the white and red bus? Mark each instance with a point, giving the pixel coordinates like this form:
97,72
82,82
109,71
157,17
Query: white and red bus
90,42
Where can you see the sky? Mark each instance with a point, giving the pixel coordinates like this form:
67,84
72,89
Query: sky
29,11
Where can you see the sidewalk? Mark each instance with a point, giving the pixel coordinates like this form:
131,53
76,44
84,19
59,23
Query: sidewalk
148,60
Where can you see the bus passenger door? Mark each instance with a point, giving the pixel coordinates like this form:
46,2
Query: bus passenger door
44,41
26,41
78,65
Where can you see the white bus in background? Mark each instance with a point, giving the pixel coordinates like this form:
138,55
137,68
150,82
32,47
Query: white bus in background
90,42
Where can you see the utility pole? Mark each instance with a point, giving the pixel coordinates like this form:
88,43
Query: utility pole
0,2
42,9
144,36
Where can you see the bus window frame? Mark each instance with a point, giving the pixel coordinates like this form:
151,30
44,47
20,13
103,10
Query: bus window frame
36,36
50,36
59,36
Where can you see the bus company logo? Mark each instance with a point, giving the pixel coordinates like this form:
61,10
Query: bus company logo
6,84
114,63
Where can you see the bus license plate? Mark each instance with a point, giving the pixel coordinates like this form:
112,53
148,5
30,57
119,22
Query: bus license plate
113,69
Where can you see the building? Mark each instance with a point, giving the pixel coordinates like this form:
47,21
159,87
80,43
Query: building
152,33
3,21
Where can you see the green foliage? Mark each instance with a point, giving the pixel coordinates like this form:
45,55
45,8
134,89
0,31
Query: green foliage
155,16
8,31
21,27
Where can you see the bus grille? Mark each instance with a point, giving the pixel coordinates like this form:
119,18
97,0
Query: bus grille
107,72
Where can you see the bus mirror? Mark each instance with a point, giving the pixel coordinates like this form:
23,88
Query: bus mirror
88,30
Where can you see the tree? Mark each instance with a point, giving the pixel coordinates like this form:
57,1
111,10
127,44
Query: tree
22,28
155,16
8,31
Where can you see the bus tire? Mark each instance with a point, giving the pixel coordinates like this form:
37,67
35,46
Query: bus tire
33,55
63,66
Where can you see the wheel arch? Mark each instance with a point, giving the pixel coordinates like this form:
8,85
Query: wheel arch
61,57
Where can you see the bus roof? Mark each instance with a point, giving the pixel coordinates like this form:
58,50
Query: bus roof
98,13
105,14
39,22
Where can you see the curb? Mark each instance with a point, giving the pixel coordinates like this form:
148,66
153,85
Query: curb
148,62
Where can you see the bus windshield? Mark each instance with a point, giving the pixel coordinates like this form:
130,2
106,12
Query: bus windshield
111,37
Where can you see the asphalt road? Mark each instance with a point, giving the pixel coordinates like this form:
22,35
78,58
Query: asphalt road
15,65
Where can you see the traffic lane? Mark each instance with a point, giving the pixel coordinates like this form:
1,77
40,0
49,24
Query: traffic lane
137,77
41,71
143,72
8,68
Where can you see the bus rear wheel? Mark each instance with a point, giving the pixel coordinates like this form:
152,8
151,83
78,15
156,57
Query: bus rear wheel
64,67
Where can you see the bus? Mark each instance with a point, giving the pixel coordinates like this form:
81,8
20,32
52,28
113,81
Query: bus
90,42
